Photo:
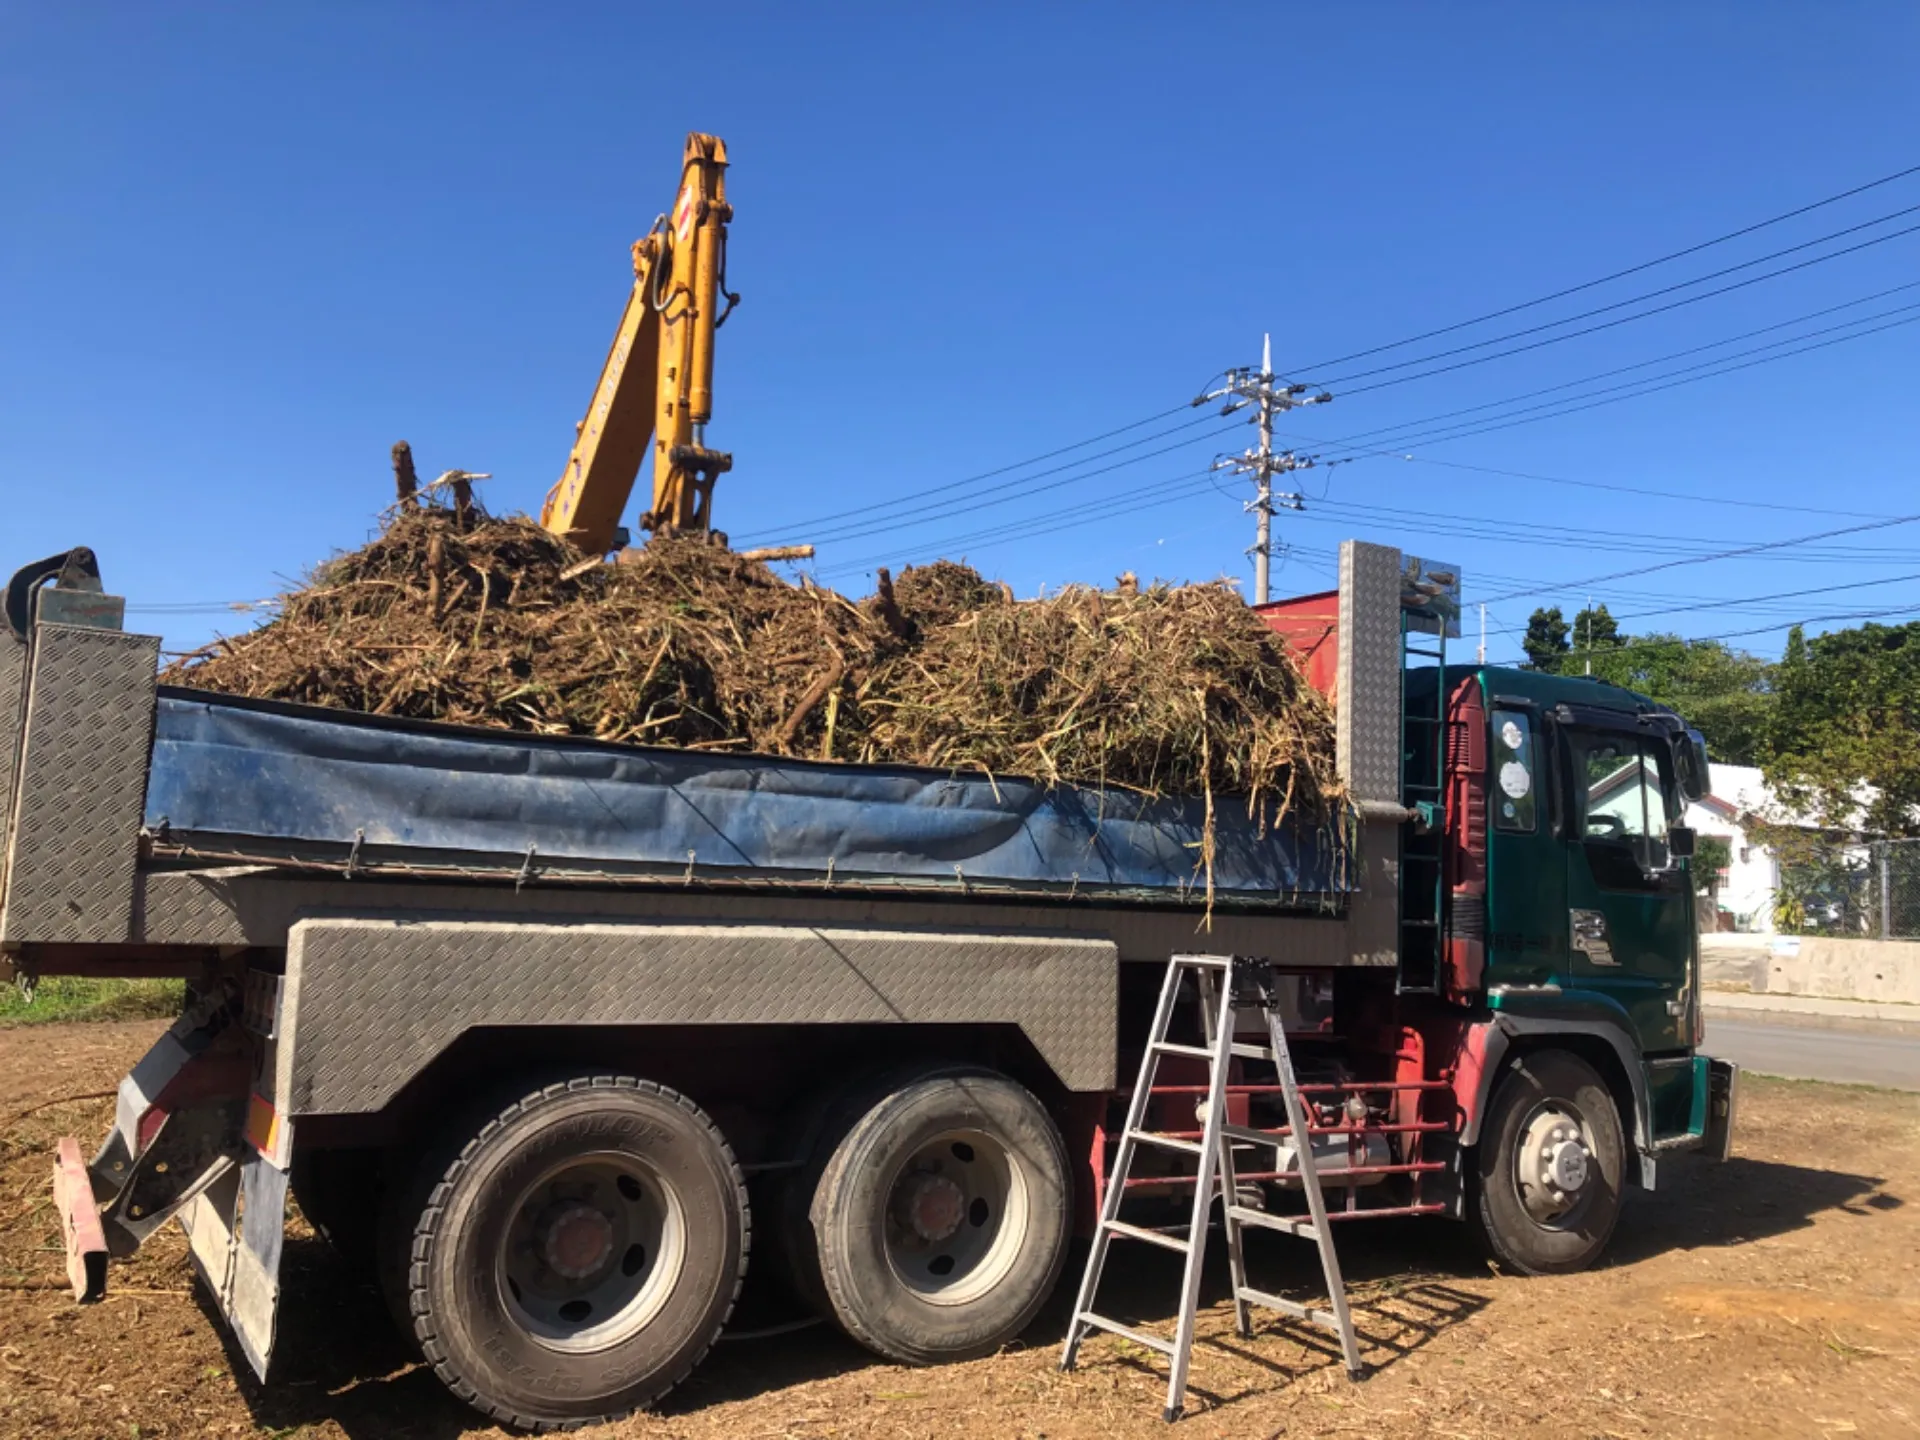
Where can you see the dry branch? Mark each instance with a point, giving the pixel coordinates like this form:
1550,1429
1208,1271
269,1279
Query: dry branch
1170,690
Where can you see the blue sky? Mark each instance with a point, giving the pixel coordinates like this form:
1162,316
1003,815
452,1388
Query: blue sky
245,248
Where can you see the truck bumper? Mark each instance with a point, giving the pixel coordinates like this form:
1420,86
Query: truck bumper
1723,1105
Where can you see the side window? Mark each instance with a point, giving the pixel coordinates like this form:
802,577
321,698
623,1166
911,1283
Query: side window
1516,773
1619,796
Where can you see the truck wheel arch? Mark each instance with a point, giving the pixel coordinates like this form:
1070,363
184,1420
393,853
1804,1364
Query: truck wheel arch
1602,1043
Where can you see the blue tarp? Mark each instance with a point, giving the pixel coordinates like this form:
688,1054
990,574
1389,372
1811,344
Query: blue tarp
310,777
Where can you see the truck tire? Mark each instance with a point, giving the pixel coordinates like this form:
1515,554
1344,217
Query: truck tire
1545,1189
940,1219
574,1259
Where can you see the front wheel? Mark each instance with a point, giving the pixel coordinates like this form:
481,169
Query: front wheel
577,1256
1547,1182
940,1220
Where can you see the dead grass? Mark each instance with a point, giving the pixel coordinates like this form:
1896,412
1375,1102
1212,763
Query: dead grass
1776,1295
1171,690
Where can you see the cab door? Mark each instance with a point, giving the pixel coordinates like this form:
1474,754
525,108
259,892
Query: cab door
1629,907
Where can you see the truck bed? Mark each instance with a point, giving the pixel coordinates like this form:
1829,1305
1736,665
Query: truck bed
247,781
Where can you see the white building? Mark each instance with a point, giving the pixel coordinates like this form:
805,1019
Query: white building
1746,889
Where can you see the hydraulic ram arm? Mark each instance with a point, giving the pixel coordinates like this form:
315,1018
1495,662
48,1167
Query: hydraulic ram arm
657,383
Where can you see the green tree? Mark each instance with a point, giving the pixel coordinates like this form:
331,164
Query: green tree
1724,693
1546,640
1847,716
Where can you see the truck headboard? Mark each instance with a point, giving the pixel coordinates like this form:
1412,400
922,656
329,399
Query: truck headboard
76,734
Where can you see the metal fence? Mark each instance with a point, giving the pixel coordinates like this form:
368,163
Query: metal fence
1890,890
1865,890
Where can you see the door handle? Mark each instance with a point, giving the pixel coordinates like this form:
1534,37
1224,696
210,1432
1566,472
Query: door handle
1588,929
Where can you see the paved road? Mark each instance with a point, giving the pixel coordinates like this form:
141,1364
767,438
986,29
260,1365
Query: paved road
1804,1052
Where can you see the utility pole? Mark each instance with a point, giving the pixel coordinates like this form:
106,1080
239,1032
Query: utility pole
1588,647
1483,632
1242,388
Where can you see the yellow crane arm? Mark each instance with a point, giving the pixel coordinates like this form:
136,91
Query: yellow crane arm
657,383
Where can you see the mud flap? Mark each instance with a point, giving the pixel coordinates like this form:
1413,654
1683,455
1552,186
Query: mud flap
1723,1108
235,1228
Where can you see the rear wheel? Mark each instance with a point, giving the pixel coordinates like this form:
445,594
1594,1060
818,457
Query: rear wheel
1549,1170
577,1256
940,1219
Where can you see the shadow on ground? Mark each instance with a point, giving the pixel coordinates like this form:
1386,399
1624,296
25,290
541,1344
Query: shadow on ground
340,1359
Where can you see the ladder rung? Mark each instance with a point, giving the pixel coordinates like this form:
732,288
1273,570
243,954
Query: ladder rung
1125,1332
1171,1142
1202,962
1289,1307
1201,1052
1247,1135
1253,1052
1152,1237
1285,1223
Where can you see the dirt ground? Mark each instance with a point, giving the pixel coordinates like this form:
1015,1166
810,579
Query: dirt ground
1776,1295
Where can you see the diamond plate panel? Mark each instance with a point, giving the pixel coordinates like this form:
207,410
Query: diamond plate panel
1368,693
370,1002
13,675
81,786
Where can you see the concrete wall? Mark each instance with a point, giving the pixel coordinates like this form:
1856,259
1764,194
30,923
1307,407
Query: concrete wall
1883,970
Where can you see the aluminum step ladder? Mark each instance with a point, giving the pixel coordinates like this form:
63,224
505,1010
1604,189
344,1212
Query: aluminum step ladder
1225,985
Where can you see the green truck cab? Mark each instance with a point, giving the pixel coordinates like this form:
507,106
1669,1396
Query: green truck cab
1566,841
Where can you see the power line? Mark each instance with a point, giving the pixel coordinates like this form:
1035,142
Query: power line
1855,615
969,481
199,607
1476,527
1662,359
1616,275
948,509
1651,387
922,493
1728,554
1348,388
1051,521
1742,503
1183,486
1742,602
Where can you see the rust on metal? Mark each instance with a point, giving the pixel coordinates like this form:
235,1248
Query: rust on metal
79,1223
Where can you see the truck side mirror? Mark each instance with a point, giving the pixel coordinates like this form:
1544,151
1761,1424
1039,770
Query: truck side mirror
1680,842
1690,756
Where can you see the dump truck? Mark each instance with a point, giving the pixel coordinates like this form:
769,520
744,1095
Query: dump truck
559,1037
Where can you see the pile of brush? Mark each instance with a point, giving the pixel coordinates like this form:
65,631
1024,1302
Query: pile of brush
450,615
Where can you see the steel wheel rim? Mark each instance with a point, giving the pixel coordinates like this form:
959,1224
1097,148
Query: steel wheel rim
1555,1145
591,1252
968,1178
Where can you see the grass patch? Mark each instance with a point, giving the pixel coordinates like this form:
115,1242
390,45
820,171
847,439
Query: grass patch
72,998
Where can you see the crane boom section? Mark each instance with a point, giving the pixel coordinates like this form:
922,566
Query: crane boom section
657,383
610,444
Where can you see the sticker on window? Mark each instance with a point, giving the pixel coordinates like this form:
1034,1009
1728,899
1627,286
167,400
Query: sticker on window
1513,769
